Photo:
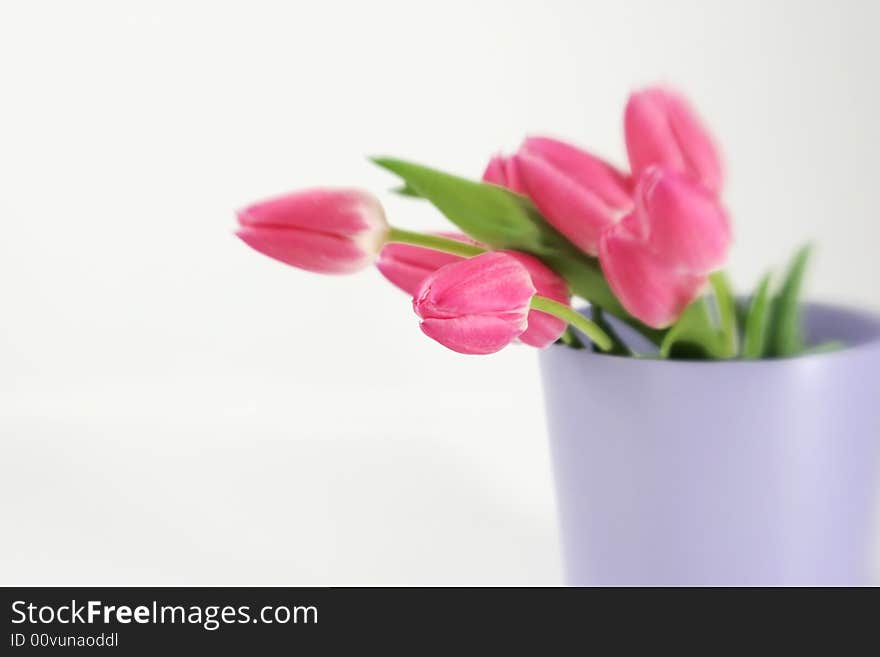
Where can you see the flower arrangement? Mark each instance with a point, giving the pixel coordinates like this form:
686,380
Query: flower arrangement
548,223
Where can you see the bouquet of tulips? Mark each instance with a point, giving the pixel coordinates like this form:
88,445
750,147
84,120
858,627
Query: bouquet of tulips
548,223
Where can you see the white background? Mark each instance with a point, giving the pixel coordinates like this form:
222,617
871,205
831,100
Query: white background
178,410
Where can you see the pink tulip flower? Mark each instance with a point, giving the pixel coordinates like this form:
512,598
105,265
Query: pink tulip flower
662,129
329,231
407,265
579,194
478,305
657,258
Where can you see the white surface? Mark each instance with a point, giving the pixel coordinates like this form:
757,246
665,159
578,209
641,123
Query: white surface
239,481
178,409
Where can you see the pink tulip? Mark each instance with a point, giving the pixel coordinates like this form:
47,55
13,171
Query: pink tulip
646,286
502,171
657,259
330,231
407,265
478,305
579,194
662,129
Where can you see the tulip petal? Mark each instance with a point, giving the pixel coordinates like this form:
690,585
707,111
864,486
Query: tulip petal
329,210
490,283
648,287
316,252
501,171
544,329
683,222
472,334
662,129
612,186
576,211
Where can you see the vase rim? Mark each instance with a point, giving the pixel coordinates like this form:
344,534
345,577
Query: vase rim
859,328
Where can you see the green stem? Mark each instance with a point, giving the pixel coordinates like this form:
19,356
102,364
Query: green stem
568,314
598,316
435,242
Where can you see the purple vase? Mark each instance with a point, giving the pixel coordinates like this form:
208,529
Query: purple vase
720,473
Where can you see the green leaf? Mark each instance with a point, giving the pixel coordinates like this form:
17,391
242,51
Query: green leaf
700,332
726,304
785,336
618,346
488,213
757,321
503,219
694,335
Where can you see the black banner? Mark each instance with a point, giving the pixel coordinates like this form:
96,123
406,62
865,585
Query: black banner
247,620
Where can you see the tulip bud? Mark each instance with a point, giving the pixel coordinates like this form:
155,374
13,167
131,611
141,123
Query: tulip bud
478,305
329,231
407,265
662,129
579,194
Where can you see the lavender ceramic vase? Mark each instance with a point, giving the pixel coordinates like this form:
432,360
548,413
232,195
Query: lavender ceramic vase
720,473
